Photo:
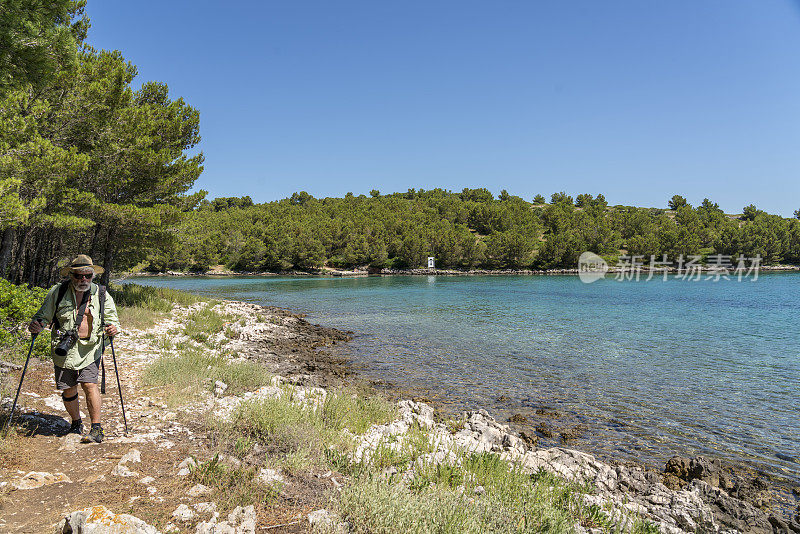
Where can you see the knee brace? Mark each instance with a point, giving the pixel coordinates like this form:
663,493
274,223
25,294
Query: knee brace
69,399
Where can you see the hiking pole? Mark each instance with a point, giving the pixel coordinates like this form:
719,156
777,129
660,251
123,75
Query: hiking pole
119,386
14,406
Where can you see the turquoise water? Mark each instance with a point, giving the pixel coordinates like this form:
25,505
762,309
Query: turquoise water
652,369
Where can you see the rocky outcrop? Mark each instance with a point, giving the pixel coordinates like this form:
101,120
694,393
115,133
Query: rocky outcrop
100,520
241,521
698,506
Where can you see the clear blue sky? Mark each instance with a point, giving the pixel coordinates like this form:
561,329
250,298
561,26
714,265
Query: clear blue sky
638,100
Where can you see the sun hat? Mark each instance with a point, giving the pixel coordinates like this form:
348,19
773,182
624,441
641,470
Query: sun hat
81,261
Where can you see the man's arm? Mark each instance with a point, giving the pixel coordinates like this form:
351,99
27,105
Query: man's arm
111,316
44,316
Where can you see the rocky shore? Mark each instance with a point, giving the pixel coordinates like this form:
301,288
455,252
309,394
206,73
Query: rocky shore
145,473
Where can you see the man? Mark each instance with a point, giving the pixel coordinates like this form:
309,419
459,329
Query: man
80,300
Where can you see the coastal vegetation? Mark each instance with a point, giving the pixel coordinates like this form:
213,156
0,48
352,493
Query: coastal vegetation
467,230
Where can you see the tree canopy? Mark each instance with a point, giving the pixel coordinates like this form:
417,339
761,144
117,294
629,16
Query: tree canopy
465,230
87,162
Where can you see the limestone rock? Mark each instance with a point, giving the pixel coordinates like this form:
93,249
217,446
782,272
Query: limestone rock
198,489
121,470
323,520
183,513
132,456
100,520
240,521
185,467
270,477
37,479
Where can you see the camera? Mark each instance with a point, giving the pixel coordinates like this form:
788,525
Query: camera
65,342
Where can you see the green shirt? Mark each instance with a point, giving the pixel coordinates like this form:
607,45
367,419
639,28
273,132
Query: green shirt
84,351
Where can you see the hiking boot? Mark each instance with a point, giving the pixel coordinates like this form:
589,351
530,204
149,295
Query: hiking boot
76,428
95,435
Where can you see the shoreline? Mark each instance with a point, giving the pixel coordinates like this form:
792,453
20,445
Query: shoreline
436,272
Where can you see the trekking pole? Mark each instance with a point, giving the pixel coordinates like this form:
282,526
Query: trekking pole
119,385
14,406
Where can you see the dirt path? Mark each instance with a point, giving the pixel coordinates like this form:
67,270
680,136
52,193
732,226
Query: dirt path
64,475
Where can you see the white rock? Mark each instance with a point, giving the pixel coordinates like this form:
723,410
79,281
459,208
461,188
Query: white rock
100,520
269,477
183,513
205,507
147,480
327,522
243,519
198,489
121,470
320,518
37,479
133,456
240,521
188,462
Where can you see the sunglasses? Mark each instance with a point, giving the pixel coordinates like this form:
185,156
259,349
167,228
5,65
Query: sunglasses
79,276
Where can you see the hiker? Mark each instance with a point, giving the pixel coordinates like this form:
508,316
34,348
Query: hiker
74,309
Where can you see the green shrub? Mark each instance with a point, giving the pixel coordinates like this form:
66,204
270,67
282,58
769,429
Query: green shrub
17,306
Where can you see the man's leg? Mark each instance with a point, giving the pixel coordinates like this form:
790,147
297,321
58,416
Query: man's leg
93,400
67,383
71,405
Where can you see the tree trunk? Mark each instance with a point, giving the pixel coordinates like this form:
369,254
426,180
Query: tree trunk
108,257
94,248
36,258
6,248
18,267
46,259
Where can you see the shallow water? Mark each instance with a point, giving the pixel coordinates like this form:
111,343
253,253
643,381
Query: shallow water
652,368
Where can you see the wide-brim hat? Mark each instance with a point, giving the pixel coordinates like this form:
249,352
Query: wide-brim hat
81,261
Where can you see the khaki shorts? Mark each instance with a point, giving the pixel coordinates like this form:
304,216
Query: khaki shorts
67,378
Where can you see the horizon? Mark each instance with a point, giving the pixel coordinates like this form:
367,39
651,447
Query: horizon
641,102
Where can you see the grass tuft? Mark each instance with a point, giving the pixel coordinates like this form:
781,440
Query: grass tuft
140,307
233,486
152,298
204,323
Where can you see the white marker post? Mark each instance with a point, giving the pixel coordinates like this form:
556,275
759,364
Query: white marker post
431,263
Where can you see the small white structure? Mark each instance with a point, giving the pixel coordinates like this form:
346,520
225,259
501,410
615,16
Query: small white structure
431,263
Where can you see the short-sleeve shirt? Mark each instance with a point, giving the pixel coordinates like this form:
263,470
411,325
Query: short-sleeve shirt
85,351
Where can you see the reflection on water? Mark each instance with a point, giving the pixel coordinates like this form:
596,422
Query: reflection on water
653,368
